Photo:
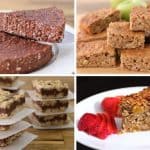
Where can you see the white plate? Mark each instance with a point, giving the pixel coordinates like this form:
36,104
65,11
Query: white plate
63,61
128,141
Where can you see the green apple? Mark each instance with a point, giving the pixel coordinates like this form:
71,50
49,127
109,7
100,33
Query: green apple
126,6
114,3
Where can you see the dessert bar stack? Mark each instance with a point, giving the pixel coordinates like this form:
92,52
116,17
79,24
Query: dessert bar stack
21,37
51,101
125,44
11,107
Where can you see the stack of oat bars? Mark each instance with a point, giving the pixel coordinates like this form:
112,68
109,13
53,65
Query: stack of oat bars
52,102
104,40
12,112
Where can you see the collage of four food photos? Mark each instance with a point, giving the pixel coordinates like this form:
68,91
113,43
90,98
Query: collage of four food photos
74,75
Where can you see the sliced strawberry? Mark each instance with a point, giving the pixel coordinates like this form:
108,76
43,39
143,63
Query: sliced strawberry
111,125
111,105
88,121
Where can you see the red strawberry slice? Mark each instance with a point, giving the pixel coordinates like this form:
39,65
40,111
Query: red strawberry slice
111,125
111,105
88,121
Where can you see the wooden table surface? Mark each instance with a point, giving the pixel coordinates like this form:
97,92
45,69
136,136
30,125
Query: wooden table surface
66,5
51,139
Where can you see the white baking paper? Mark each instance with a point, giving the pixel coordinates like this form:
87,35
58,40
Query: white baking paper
66,126
21,142
33,96
17,117
15,86
16,128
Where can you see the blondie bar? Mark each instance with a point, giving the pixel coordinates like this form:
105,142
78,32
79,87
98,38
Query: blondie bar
140,19
95,54
120,36
97,21
136,60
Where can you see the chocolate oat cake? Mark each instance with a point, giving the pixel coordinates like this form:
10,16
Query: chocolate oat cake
45,24
10,103
51,88
120,36
95,54
135,111
97,21
19,55
136,60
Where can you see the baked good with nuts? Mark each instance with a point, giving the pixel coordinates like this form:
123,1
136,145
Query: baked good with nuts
97,21
136,60
95,54
120,36
135,111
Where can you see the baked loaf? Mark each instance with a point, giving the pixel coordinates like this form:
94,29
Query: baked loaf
43,24
19,55
98,21
120,36
135,111
136,60
95,54
51,88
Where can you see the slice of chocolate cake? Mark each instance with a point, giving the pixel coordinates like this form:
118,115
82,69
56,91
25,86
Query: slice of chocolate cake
46,24
19,55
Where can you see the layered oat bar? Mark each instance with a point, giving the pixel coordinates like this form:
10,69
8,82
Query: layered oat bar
95,54
135,112
51,106
120,36
50,120
7,80
9,140
85,37
45,24
136,60
97,21
51,88
10,103
140,19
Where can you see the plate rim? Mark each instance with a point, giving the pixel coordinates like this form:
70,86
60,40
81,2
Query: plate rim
86,99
